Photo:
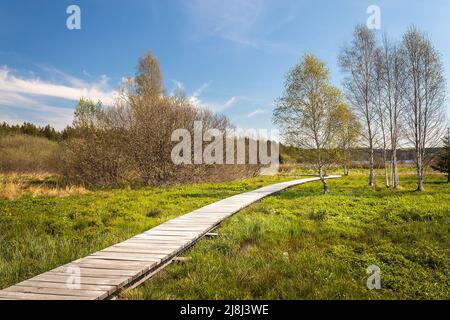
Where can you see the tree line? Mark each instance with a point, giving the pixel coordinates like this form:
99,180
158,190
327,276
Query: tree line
394,96
31,129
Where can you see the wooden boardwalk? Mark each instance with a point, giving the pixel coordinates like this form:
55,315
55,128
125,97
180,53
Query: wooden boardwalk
103,274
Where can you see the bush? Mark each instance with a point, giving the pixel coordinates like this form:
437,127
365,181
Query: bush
130,142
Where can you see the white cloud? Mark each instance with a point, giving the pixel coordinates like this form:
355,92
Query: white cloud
178,86
230,102
10,118
255,112
195,97
10,83
27,98
37,112
197,100
200,90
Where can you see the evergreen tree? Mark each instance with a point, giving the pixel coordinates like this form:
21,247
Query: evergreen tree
30,129
443,162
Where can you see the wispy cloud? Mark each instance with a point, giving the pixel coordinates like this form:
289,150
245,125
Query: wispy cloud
246,23
18,108
178,86
255,112
229,102
31,98
199,91
77,88
231,19
196,99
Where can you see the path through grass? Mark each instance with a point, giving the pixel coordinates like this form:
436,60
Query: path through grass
41,231
302,244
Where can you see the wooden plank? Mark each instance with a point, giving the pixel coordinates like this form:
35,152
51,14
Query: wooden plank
127,257
159,243
139,245
37,296
93,272
88,294
197,222
202,214
165,237
59,285
135,270
207,211
47,277
140,250
187,223
102,263
149,256
203,222
200,219
108,264
182,228
180,233
92,275
161,238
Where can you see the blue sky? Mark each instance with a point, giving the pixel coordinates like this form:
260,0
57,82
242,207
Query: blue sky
229,55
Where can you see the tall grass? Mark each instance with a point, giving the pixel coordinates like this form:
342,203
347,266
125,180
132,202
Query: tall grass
15,185
22,153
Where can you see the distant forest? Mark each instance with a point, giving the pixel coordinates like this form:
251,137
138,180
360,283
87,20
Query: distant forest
359,155
31,129
288,154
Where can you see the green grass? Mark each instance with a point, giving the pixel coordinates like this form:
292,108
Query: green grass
40,233
302,244
299,244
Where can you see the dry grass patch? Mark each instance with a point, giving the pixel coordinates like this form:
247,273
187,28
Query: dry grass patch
41,184
56,192
10,191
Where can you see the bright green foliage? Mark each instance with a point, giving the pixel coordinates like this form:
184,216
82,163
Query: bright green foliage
86,114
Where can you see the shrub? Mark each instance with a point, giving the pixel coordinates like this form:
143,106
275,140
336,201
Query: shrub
130,142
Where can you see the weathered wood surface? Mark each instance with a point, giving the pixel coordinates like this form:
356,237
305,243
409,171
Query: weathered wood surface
104,273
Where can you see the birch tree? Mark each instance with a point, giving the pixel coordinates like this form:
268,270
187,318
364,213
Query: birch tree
426,94
358,62
379,97
394,100
308,112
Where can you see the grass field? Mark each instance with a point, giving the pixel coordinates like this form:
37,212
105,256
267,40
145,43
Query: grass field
43,226
299,244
